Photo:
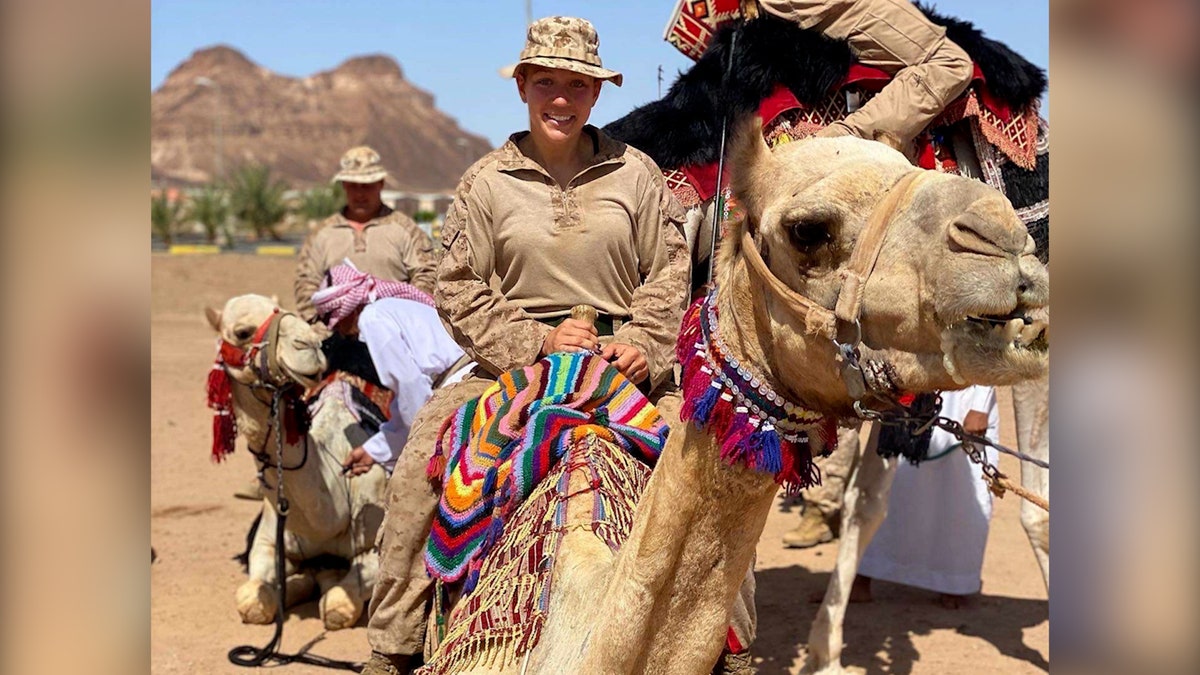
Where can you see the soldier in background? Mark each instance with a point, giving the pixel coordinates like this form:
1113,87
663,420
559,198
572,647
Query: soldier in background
377,240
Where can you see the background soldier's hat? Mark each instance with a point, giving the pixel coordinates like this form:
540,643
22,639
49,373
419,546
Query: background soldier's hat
566,43
361,165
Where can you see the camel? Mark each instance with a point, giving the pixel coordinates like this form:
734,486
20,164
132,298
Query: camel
940,308
329,513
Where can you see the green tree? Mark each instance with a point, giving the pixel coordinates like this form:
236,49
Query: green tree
257,199
424,216
321,202
165,215
210,208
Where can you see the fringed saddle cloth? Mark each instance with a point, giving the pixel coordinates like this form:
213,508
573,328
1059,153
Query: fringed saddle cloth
498,459
369,403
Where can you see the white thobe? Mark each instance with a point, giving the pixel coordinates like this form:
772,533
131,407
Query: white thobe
411,349
938,512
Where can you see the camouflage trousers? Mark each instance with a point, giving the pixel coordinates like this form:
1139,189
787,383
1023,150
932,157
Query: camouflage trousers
400,604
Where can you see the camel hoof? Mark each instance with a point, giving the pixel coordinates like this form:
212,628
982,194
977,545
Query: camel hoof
256,602
339,610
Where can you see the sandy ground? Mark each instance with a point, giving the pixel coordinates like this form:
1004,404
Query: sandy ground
196,527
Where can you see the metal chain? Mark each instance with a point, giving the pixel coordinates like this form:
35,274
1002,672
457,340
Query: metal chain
898,415
997,482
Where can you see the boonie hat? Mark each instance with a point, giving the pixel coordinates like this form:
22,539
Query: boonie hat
361,165
566,43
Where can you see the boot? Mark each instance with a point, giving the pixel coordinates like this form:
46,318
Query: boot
813,529
252,491
734,664
388,664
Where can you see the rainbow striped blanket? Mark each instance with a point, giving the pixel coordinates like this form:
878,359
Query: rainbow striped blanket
495,450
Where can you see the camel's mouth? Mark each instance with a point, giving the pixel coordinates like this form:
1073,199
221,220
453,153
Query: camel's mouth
1017,329
984,347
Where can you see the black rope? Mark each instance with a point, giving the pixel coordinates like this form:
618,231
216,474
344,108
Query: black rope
719,205
249,656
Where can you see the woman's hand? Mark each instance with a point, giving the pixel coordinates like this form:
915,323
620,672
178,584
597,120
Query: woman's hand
571,335
627,359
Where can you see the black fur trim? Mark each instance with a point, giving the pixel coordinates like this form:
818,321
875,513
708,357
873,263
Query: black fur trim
1010,77
684,127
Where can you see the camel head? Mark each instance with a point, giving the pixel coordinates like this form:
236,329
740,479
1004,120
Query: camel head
955,297
297,348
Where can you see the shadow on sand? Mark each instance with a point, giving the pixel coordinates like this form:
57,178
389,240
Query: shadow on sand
885,625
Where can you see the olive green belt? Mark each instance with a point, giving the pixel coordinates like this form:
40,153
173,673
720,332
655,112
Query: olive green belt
606,324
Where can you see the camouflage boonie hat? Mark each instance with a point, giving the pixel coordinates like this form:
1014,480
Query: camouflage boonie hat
361,165
565,43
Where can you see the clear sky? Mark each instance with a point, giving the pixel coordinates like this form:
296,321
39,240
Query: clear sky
455,49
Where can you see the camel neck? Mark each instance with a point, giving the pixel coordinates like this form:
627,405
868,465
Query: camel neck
675,578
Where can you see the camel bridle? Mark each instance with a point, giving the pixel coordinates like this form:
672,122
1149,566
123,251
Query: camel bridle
846,313
262,354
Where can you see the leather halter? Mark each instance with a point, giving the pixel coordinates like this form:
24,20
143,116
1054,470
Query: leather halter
821,320
262,348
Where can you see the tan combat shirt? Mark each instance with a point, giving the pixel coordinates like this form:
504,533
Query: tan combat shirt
390,246
519,248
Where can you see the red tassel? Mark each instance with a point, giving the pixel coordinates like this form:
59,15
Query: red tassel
224,435
721,416
220,400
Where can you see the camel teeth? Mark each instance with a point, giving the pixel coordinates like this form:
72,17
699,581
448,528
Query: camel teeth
1012,329
1029,333
948,364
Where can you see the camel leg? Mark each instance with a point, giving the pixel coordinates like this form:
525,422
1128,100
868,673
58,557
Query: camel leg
344,595
1031,408
863,510
257,600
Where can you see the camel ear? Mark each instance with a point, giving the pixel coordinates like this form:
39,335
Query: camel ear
214,318
749,160
275,299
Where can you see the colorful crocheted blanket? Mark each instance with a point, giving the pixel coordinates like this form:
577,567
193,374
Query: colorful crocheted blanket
495,450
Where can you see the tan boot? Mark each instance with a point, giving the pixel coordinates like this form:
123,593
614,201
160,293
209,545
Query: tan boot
388,664
734,664
812,530
252,491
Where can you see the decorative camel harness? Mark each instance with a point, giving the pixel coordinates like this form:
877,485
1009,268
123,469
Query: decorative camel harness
288,417
864,379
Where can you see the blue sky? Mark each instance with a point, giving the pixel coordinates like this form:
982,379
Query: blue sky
454,49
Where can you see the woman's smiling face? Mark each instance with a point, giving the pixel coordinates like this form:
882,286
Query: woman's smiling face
560,101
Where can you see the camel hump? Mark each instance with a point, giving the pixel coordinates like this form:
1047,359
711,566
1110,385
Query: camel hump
585,313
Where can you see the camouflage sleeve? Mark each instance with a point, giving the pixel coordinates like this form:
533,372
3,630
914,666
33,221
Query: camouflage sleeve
659,303
418,258
496,333
309,274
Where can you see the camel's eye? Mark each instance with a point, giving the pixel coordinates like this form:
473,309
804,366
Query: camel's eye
243,334
806,234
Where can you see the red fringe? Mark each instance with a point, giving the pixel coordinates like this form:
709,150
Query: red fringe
220,400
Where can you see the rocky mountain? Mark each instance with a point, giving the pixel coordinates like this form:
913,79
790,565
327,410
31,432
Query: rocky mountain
301,126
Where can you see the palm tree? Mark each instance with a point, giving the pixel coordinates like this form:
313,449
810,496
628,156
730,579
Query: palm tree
210,208
165,214
257,200
321,202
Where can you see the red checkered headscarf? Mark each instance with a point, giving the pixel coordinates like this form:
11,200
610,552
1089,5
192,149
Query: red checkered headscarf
346,290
